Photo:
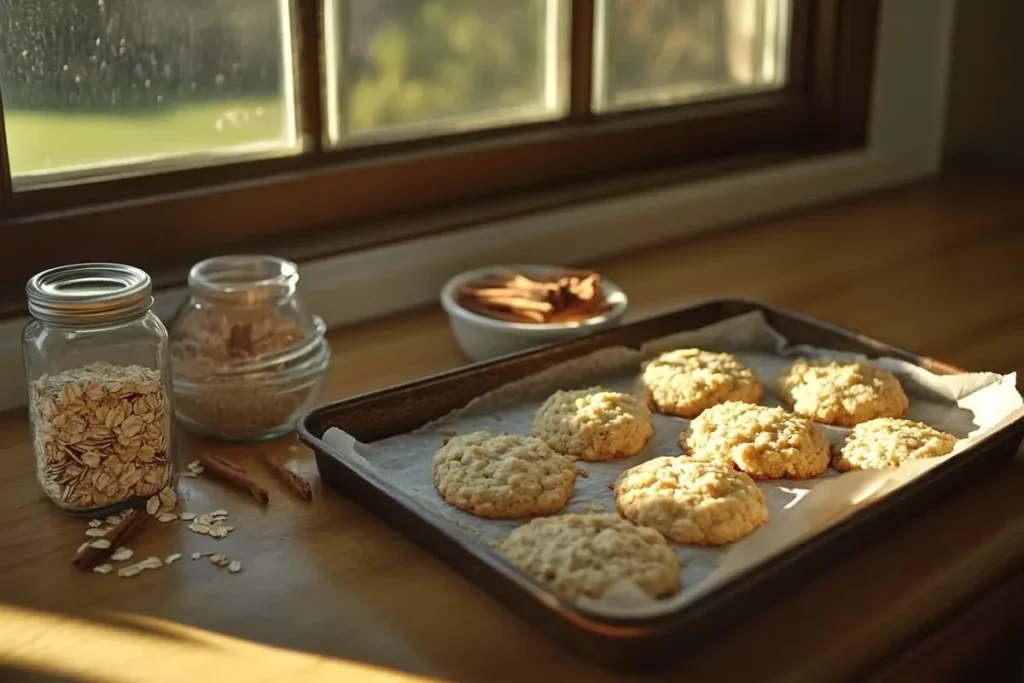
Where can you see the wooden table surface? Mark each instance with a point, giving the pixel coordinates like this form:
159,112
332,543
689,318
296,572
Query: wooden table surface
330,592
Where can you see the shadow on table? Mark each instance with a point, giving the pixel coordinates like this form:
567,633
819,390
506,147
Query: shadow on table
44,646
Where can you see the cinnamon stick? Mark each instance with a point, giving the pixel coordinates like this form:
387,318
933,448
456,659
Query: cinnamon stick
572,296
222,461
89,557
501,314
240,340
299,486
516,303
234,475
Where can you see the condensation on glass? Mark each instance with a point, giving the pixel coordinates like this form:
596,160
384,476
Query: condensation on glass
114,86
652,53
410,68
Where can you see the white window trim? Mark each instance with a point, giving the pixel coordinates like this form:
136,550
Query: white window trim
906,139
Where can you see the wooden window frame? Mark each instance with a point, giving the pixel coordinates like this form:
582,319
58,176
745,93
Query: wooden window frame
325,201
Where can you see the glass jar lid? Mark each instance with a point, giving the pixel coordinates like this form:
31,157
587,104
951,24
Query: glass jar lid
89,293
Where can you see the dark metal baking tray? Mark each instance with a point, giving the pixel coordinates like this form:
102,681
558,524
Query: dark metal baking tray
627,643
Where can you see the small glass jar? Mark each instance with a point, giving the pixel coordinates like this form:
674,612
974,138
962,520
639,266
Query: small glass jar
248,358
98,373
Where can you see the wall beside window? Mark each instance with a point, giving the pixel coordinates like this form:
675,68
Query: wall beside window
985,124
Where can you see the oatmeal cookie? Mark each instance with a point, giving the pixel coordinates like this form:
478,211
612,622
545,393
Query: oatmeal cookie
503,477
686,381
580,555
766,443
594,424
841,393
890,442
691,501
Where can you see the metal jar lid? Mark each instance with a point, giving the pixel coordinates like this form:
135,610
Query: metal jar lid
89,293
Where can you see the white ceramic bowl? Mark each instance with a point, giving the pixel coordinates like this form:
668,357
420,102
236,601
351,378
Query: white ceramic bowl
483,338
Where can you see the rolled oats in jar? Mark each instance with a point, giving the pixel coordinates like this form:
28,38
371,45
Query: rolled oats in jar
97,367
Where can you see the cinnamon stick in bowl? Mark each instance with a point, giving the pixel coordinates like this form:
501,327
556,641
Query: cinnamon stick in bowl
570,297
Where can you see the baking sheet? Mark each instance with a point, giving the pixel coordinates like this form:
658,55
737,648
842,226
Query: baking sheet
968,405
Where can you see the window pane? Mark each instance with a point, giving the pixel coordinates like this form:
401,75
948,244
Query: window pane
89,83
405,68
661,52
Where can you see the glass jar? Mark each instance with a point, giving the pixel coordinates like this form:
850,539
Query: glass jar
98,373
248,359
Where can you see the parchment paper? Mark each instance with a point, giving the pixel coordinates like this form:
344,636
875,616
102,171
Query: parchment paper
970,406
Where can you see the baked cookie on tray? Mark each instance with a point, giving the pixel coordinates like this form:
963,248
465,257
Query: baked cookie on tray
503,477
594,424
685,382
578,555
691,501
841,393
766,443
890,442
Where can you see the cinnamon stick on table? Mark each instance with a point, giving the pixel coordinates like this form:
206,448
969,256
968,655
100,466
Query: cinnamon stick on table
297,484
233,474
89,557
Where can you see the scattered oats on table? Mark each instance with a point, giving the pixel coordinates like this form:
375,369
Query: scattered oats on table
128,572
165,517
153,505
187,516
152,562
96,533
122,554
235,566
196,556
95,523
103,568
100,544
172,558
219,513
220,560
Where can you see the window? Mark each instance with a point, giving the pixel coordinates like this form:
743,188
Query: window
663,53
92,86
410,68
159,131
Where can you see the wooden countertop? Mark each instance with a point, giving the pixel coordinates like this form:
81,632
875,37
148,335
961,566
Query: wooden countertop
330,592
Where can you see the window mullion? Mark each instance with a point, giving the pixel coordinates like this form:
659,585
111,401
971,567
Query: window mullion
309,55
582,60
5,166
